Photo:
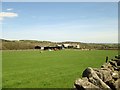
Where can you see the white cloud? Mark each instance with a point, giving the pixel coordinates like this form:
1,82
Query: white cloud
1,18
9,9
7,15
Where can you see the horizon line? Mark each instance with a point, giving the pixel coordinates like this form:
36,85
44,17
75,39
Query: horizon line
61,41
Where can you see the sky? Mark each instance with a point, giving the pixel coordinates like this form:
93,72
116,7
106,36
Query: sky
91,22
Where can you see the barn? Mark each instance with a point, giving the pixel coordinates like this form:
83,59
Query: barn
37,47
49,47
52,48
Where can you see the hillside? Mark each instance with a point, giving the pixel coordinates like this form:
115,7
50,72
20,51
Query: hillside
30,44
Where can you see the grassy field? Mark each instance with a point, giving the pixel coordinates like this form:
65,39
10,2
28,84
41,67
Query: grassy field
49,69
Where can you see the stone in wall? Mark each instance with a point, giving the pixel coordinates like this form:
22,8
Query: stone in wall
106,77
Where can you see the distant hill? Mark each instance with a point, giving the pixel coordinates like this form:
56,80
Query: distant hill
30,44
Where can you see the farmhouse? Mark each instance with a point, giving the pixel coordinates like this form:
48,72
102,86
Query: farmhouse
77,46
66,45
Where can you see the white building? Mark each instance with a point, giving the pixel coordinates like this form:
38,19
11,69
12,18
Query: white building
66,45
78,46
42,48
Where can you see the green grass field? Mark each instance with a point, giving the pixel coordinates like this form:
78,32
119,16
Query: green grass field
49,69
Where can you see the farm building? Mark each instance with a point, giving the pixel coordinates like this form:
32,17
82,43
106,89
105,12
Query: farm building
37,47
58,47
78,46
71,46
52,48
66,45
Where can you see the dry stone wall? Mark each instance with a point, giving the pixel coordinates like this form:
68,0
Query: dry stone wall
107,77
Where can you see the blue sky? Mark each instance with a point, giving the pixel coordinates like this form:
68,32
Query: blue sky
82,22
